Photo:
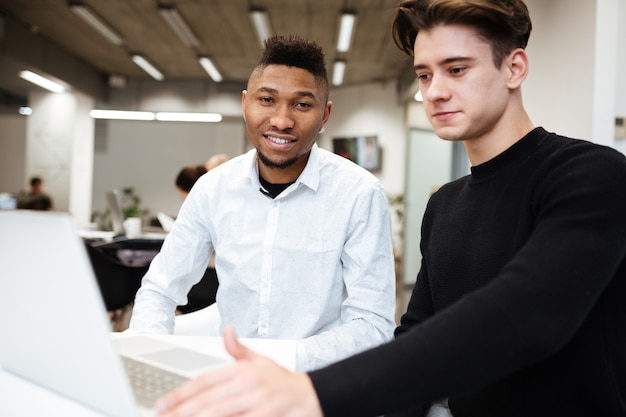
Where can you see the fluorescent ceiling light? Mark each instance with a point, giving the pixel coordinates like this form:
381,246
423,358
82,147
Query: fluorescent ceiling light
339,69
188,117
178,25
210,68
147,67
261,22
95,22
41,81
122,115
162,116
346,28
418,96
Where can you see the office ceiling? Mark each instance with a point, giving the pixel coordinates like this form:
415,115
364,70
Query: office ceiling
224,30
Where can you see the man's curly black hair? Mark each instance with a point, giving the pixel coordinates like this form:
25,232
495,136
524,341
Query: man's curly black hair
294,51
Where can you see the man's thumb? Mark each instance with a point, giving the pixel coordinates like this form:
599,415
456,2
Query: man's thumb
233,347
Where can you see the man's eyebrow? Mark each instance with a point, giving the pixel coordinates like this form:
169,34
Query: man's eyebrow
267,90
270,90
446,61
305,94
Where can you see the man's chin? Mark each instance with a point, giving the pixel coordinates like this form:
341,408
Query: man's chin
275,164
448,134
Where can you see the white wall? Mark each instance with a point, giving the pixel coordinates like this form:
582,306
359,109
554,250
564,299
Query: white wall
620,100
558,92
371,110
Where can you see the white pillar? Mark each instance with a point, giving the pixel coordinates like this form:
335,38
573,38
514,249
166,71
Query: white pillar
59,148
605,72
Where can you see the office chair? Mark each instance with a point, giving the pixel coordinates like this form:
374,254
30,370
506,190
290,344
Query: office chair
118,282
202,294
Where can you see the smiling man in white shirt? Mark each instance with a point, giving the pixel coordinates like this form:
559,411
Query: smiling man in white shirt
302,236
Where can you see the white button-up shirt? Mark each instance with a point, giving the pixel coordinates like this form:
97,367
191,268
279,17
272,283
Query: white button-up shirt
315,264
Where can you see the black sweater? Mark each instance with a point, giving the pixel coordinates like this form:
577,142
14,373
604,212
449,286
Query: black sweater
520,305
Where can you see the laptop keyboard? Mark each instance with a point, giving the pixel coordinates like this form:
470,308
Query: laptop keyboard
149,383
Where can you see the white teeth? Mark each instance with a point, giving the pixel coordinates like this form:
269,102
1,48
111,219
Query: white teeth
277,140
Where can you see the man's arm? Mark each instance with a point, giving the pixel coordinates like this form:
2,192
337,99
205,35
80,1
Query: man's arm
179,265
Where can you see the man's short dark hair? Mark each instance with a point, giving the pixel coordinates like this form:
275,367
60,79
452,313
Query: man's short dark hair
504,24
34,181
294,51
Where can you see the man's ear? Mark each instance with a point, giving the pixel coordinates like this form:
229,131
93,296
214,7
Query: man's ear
244,95
329,107
517,64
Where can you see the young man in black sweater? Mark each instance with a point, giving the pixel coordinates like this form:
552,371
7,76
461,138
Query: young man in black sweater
519,307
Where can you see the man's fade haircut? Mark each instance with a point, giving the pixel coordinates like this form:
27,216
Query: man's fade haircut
294,51
504,24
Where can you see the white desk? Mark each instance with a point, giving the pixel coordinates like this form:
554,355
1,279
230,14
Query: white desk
20,398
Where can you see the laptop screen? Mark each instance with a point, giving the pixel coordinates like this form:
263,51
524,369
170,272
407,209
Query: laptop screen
117,215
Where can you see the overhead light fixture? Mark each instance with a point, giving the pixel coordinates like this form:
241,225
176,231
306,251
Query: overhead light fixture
96,22
210,68
161,116
147,67
25,111
178,25
261,21
418,96
41,81
339,69
122,115
346,28
189,117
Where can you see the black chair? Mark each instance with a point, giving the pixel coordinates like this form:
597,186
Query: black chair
118,282
202,294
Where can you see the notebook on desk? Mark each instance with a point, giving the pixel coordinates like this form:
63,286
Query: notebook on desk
55,329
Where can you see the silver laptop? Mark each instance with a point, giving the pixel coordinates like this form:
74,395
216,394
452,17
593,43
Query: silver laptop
54,326
115,208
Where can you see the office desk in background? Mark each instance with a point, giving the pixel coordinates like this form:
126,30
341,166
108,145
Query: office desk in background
135,251
20,398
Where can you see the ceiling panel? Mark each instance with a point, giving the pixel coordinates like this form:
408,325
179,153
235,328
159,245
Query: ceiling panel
224,30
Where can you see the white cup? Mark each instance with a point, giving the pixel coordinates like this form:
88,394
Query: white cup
132,226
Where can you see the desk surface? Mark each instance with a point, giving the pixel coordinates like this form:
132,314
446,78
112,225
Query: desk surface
20,398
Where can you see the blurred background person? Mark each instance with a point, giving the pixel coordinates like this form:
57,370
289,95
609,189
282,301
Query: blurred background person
36,198
187,177
216,160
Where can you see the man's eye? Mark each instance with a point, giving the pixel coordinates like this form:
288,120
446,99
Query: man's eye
457,70
303,105
265,99
423,77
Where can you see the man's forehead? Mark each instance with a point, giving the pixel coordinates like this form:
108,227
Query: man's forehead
274,69
282,78
447,43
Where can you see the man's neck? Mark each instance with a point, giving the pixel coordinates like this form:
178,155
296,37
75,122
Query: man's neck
488,146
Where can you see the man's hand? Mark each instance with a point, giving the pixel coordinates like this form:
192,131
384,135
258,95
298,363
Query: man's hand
253,387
